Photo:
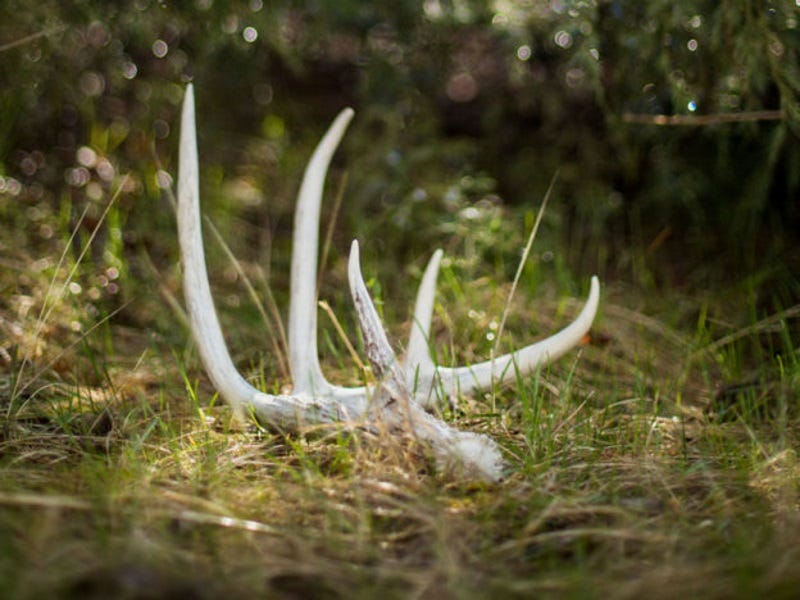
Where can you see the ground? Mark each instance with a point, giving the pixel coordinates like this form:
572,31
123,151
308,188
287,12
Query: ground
659,458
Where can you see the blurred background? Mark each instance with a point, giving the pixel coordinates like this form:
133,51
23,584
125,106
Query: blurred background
659,457
672,127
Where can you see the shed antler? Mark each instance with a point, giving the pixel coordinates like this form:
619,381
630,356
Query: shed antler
425,380
313,399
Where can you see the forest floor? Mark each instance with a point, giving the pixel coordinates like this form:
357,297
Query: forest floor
658,459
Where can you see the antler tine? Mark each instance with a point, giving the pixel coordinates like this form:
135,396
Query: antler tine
526,360
477,455
202,316
281,411
376,344
423,375
417,357
303,355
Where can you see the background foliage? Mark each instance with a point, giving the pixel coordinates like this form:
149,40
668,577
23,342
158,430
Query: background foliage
461,105
661,459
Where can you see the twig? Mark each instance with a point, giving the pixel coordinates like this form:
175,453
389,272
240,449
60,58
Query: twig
32,38
281,356
767,324
189,516
340,330
326,244
694,120
43,500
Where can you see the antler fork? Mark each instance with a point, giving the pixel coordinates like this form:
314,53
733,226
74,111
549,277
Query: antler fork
284,410
425,380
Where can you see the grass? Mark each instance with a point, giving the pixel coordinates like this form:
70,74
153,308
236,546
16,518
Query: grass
659,459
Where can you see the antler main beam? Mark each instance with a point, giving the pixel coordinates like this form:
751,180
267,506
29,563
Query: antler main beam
433,381
397,401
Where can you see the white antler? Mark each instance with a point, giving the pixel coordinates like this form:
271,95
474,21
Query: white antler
391,403
423,377
428,377
303,357
314,399
477,455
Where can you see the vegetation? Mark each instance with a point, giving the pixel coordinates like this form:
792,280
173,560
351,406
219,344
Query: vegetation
659,458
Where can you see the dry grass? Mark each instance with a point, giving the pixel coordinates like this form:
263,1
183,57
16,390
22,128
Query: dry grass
122,477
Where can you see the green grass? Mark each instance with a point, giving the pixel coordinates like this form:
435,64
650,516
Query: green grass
658,459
